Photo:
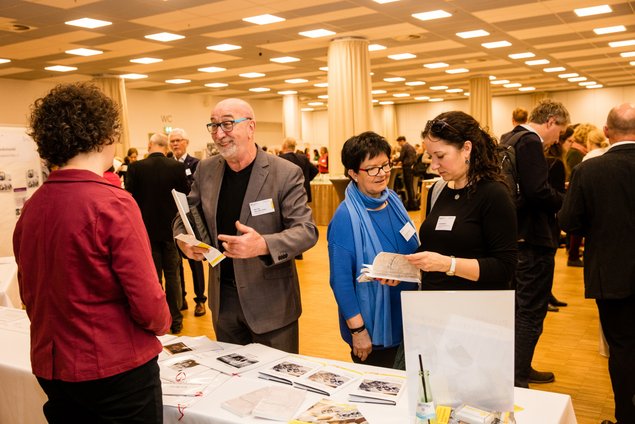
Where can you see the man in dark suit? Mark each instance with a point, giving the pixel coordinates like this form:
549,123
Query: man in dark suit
150,181
407,158
178,143
600,205
519,117
538,234
308,169
256,212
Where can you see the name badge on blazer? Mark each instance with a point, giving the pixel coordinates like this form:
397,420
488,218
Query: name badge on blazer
261,207
188,172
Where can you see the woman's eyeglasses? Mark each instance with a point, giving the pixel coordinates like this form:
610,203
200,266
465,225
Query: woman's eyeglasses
437,126
373,171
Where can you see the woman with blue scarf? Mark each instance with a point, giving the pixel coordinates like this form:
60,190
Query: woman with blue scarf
371,219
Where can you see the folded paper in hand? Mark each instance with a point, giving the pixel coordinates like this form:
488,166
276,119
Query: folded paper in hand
390,266
197,234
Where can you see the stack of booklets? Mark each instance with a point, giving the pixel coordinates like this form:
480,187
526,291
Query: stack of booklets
328,412
378,388
309,375
272,403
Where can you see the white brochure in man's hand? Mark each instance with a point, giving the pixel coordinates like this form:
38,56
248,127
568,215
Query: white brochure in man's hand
390,266
213,255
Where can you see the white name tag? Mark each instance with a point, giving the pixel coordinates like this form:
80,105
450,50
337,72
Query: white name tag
407,231
188,172
445,223
261,207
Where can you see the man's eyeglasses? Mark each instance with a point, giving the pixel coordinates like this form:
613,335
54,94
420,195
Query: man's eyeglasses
437,126
373,171
226,126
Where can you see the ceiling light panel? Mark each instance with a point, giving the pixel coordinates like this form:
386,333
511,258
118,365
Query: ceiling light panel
5,60
623,43
595,10
60,68
394,79
609,30
316,33
164,37
296,81
146,60
211,69
496,44
134,76
457,71
84,52
284,59
499,82
259,89
287,92
569,75
555,69
264,19
401,95
178,81
512,85
379,92
223,47
537,62
323,96
433,14
415,83
216,84
402,56
252,75
88,23
439,87
436,65
526,88
321,84
524,55
577,79
473,34
376,47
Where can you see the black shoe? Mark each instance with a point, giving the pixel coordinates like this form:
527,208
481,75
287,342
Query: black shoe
575,263
199,310
541,377
555,302
551,308
184,305
607,422
176,328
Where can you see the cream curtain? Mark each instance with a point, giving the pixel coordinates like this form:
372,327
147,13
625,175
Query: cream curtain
115,88
481,100
291,116
536,97
389,116
350,102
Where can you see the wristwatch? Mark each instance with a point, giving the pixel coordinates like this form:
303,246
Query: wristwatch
452,267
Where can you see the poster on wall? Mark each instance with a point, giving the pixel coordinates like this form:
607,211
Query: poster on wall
20,176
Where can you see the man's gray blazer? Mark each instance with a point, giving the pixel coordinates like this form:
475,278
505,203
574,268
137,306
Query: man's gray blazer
267,286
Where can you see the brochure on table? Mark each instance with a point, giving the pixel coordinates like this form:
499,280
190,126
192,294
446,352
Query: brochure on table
466,342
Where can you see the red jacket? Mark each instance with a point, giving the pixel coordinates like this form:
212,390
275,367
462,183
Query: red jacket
87,279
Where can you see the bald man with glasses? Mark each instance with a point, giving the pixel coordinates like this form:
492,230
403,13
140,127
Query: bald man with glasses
255,209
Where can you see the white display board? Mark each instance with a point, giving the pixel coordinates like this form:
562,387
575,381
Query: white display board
466,342
20,176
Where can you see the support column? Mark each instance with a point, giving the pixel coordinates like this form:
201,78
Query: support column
292,117
481,100
115,88
349,91
390,123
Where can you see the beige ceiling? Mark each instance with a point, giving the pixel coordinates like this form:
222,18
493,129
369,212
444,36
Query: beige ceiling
548,28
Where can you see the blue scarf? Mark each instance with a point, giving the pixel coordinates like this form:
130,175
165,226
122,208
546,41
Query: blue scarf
373,298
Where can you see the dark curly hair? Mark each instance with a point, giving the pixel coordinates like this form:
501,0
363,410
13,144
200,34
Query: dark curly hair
72,119
456,128
357,148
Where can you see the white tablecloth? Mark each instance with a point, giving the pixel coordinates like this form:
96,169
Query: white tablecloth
21,398
9,290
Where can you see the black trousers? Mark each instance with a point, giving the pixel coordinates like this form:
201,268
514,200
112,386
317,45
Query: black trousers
617,317
411,201
130,397
166,261
198,280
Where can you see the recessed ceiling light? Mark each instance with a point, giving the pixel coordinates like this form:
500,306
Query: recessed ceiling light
316,103
555,69
402,56
526,88
307,109
623,43
216,84
595,86
537,62
287,92
457,71
387,102
164,36
178,81
252,75
422,98
569,75
467,93
499,82
454,90
433,14
264,19
260,89
632,63
324,68
61,68
492,77
223,47
496,44
473,34
212,69
296,81
323,96
628,54
134,76
84,52
415,83
587,83
316,33
595,10
435,99
88,23
284,59
321,84
524,55
379,92
394,79
577,79
609,30
5,60
512,85
384,1
401,95
439,87
146,60
375,47
435,65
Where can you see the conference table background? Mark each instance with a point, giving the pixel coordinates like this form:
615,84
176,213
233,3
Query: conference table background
21,397
9,289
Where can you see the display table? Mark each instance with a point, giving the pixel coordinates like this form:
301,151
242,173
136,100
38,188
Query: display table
324,201
21,398
9,289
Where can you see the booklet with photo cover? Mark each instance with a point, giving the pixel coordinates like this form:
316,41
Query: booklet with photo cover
289,369
327,412
242,359
378,388
327,380
390,266
184,344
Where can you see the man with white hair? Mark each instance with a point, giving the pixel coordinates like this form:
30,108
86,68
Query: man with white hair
178,143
